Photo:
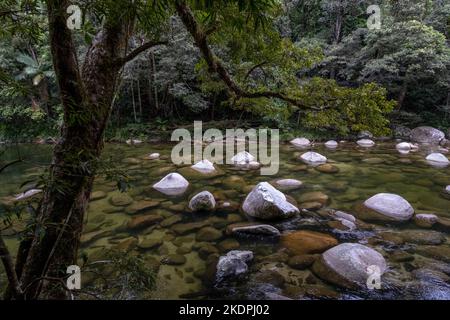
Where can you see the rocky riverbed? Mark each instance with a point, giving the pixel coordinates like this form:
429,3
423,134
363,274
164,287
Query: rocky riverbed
316,230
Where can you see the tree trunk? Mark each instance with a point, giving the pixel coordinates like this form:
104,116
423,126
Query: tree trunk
402,95
86,100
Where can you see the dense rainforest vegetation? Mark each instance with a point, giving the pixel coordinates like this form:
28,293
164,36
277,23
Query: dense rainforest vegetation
138,69
348,78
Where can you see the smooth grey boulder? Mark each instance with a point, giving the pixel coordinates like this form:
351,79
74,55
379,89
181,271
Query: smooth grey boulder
172,184
233,264
349,265
266,202
426,134
390,206
203,201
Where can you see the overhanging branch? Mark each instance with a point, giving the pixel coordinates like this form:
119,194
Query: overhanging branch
214,65
133,54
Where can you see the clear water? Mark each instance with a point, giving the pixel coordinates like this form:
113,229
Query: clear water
362,173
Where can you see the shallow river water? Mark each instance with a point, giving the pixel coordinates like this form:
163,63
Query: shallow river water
182,247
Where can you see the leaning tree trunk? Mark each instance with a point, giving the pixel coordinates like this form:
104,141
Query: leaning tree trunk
86,99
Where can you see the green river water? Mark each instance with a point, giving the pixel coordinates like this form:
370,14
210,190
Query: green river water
183,262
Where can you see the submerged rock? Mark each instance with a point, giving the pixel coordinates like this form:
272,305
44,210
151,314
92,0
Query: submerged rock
252,228
140,206
327,168
142,222
366,143
307,242
349,265
385,207
208,234
120,199
425,220
203,201
233,264
301,142
315,196
289,184
174,260
98,195
302,262
313,158
266,202
426,134
172,184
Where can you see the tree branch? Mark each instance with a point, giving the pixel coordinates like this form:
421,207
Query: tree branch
133,54
10,271
201,41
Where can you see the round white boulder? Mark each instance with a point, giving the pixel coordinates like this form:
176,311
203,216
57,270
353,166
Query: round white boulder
173,184
437,159
204,166
391,206
301,142
331,144
313,158
366,143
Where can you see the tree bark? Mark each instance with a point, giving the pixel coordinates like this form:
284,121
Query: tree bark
86,98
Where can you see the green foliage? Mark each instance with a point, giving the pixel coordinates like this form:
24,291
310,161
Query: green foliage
346,110
22,123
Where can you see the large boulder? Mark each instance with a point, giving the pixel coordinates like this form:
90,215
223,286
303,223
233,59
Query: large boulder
266,202
301,142
313,158
173,184
203,201
233,264
428,135
349,265
385,207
